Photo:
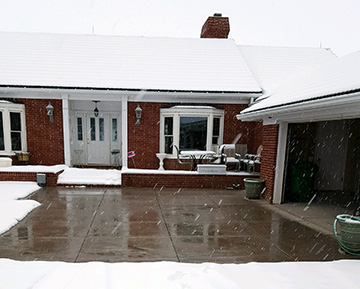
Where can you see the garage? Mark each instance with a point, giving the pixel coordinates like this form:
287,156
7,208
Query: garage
322,160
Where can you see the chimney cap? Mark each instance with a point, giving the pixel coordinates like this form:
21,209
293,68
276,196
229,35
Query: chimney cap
217,14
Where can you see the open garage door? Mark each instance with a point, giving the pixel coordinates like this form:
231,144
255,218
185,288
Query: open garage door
323,158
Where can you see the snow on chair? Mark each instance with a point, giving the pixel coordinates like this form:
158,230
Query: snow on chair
229,157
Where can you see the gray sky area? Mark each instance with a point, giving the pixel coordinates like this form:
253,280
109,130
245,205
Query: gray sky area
332,24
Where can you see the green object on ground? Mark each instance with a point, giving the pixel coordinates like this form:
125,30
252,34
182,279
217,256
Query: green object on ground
349,232
253,187
302,179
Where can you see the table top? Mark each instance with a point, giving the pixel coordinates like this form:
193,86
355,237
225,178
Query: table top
197,153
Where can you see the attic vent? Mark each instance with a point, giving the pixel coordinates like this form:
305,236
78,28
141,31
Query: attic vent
217,15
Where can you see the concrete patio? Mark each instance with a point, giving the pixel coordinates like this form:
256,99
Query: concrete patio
78,224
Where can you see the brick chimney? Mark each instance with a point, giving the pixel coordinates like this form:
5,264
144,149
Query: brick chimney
216,27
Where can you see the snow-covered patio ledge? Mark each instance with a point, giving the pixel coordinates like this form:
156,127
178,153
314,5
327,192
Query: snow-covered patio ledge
185,179
60,275
181,172
34,169
77,176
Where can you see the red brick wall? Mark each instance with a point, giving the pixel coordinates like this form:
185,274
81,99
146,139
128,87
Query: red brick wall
233,127
258,135
44,139
51,178
178,181
144,139
268,159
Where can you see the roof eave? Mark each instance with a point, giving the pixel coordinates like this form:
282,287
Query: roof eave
17,91
335,106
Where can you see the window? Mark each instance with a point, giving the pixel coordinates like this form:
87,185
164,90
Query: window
168,134
12,128
101,129
191,128
15,127
193,133
216,131
114,130
79,129
2,141
92,129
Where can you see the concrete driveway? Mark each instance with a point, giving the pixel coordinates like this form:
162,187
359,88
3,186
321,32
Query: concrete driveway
184,225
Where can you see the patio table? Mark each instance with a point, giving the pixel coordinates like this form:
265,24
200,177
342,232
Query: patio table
197,157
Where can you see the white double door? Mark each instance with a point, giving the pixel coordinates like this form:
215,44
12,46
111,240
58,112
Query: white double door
95,138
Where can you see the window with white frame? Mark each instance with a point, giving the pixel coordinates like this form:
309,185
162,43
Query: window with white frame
191,128
12,128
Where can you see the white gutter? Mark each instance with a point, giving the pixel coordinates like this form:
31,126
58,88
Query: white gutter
331,108
131,95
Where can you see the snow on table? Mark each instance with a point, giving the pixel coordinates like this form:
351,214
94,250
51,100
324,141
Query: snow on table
157,275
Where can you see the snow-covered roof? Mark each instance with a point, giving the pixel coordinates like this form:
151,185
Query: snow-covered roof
338,77
115,62
272,66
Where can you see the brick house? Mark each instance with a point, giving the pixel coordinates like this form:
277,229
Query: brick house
72,99
311,137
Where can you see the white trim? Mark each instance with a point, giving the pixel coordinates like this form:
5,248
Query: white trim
124,133
130,95
280,163
6,108
331,108
66,129
192,111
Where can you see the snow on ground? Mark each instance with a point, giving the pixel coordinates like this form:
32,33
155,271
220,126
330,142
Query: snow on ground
13,210
157,275
74,176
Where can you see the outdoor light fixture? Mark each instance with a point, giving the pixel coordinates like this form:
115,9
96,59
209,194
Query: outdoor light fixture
50,112
96,111
138,112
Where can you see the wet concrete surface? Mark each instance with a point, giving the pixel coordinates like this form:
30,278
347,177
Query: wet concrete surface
184,225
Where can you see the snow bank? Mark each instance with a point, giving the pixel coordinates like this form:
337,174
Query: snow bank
157,275
13,210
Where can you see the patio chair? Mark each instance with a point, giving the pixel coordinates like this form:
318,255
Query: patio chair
251,160
189,162
229,157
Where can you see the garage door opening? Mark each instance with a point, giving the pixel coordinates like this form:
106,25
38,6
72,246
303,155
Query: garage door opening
323,159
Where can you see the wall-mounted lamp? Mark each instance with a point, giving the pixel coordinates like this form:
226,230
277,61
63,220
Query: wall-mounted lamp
50,112
138,112
96,110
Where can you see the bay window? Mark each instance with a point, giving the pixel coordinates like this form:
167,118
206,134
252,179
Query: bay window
12,128
191,128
